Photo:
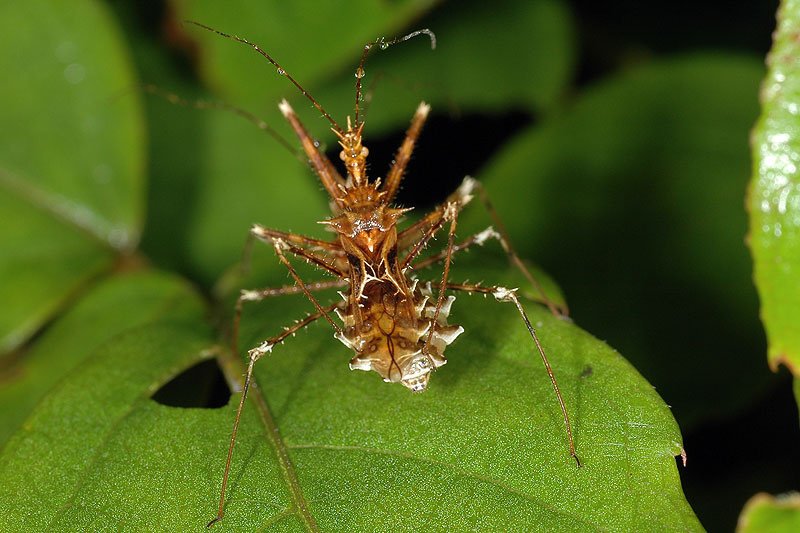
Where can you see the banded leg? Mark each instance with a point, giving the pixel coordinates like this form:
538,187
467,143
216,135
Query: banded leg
502,294
255,354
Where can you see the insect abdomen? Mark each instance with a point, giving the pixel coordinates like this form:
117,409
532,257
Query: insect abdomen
391,338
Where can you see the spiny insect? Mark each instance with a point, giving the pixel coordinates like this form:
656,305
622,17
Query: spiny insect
395,324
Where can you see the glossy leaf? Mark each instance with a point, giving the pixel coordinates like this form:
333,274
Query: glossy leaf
70,157
774,199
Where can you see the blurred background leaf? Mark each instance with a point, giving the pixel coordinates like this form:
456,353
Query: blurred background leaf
653,203
71,173
765,513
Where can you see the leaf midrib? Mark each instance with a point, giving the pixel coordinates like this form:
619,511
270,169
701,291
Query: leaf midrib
236,370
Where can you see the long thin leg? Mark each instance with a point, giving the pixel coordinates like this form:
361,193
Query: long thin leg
505,242
412,234
267,235
477,239
408,237
421,243
257,295
287,241
174,99
451,214
255,354
280,246
417,236
502,294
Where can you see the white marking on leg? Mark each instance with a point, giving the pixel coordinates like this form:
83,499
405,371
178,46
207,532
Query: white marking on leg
465,190
285,108
256,353
503,294
250,296
485,235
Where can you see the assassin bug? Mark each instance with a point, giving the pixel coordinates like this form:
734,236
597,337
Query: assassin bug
395,325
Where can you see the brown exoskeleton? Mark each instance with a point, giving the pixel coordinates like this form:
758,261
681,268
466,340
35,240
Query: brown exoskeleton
396,325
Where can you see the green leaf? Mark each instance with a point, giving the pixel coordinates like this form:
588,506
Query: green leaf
764,513
88,430
774,198
111,308
483,448
639,180
70,157
43,263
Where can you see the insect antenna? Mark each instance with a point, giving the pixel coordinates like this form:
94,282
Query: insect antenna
281,70
383,44
175,99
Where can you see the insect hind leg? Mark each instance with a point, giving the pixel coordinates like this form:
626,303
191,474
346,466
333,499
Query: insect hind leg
503,294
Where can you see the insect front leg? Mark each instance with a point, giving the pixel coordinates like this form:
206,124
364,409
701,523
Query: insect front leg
503,294
295,244
451,211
